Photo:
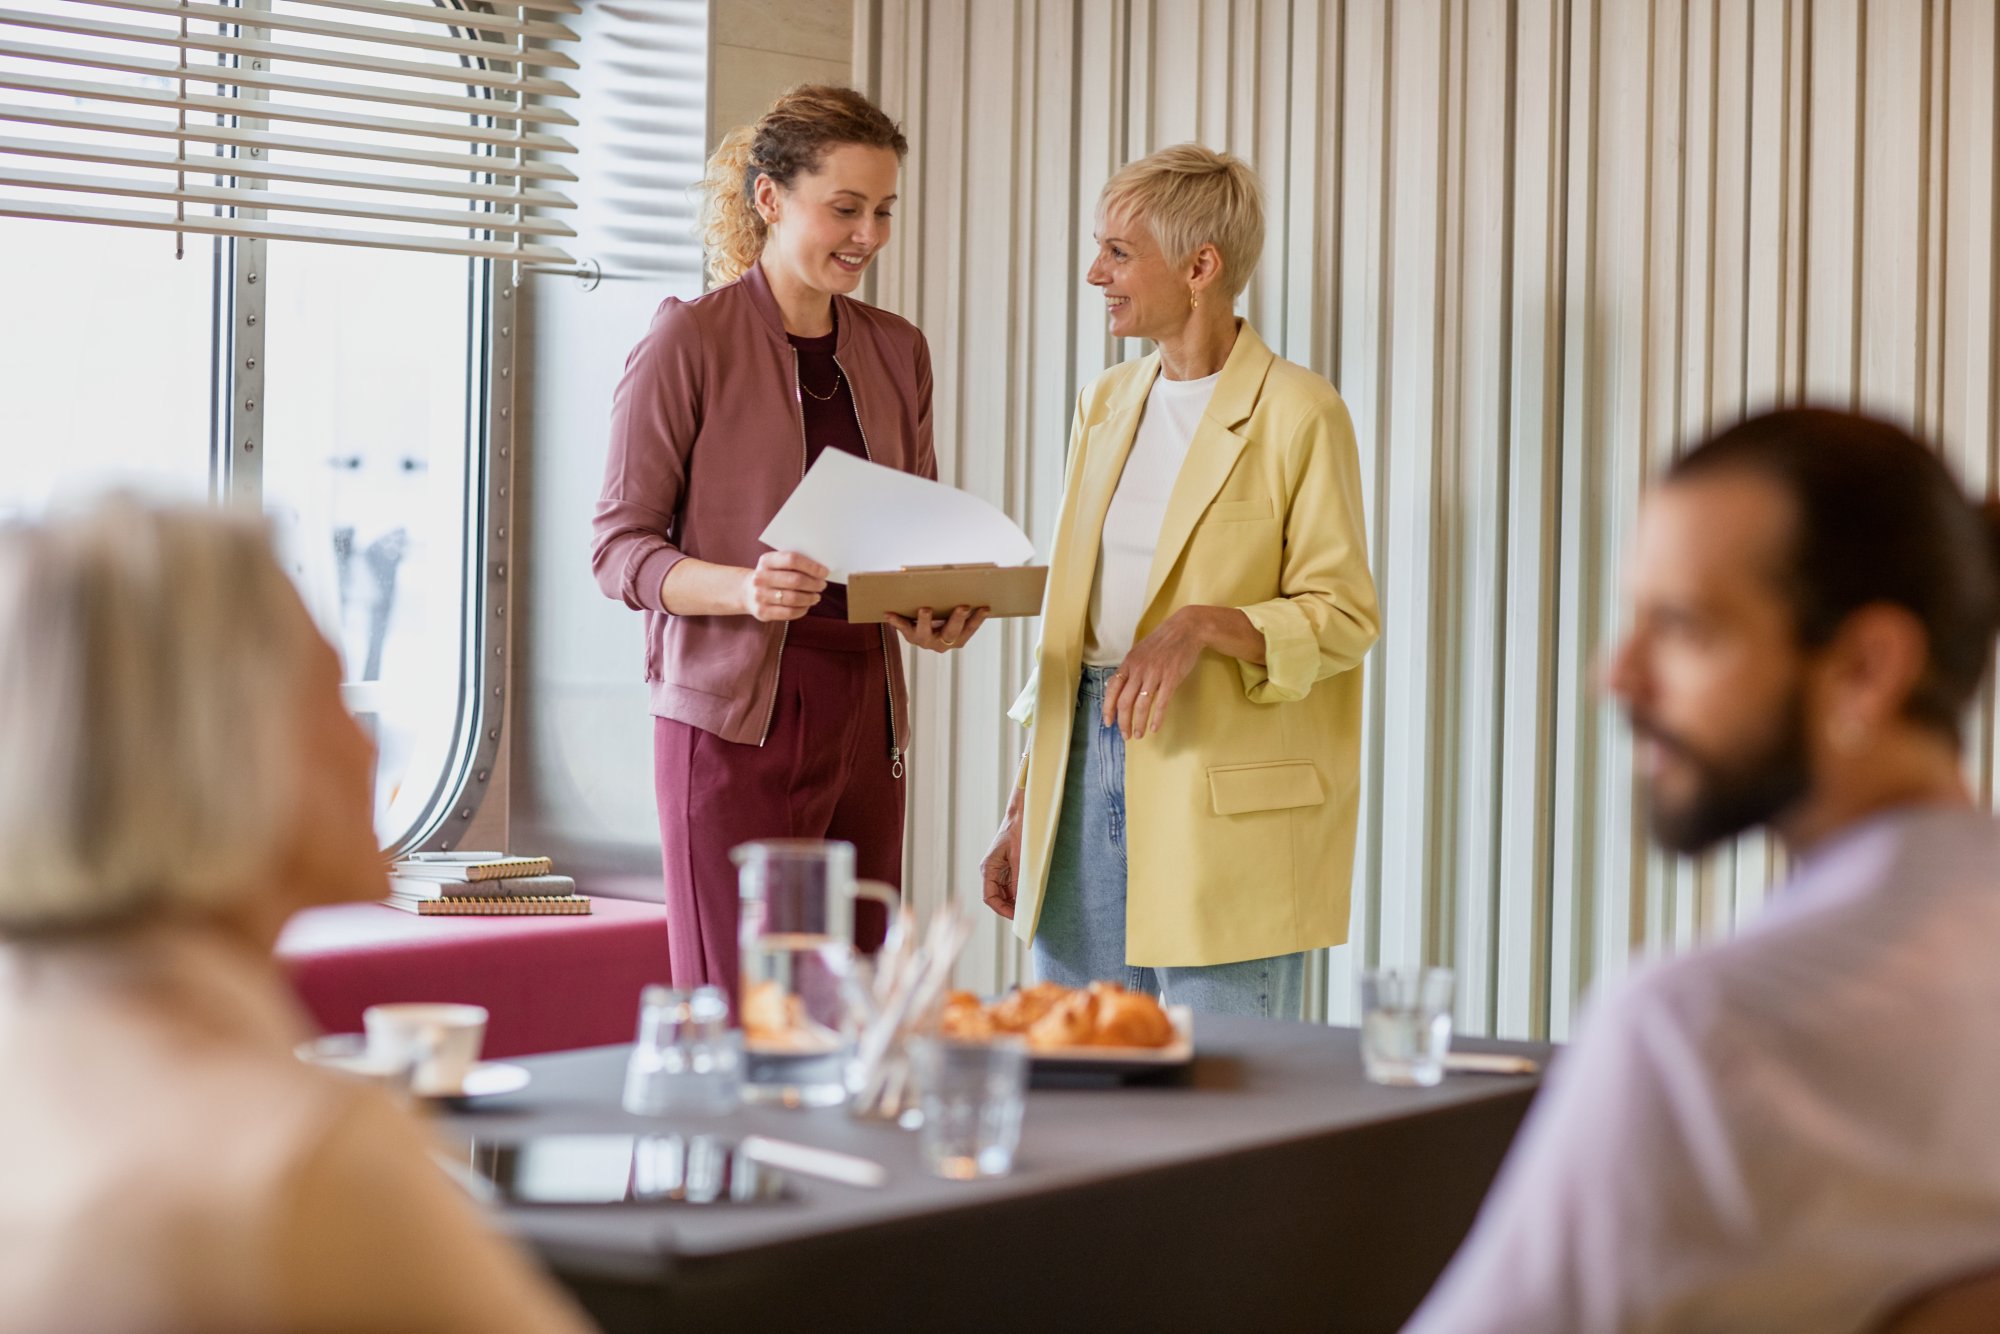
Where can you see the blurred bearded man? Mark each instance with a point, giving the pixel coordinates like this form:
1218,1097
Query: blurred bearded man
1798,1128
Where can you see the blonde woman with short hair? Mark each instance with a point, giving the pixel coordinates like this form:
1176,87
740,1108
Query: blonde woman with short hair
1184,818
179,775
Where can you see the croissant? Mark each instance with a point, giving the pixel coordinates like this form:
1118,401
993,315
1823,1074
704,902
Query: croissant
1071,1023
1019,1011
964,1018
1125,1019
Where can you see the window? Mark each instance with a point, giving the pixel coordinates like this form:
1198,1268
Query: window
373,406
343,387
106,345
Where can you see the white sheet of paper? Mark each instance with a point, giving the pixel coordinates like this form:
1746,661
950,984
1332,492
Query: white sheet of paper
849,514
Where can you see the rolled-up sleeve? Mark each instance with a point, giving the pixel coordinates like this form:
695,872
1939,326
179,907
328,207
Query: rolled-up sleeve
1325,618
655,416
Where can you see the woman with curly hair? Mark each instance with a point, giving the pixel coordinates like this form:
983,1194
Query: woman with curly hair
773,716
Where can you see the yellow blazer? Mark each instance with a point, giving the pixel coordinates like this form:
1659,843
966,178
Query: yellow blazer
1240,810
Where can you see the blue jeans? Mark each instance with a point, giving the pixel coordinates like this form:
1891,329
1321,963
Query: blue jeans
1081,935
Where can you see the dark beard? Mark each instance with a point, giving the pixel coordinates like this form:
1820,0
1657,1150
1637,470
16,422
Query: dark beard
1732,793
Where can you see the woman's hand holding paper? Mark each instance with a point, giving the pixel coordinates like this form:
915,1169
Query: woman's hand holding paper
783,587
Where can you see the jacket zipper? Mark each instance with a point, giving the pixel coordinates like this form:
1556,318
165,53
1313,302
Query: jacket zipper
785,629
888,666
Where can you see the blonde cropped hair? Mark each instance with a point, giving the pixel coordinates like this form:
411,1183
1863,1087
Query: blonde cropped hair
1189,196
790,139
150,662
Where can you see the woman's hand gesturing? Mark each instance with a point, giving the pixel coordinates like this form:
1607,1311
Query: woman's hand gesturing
1144,684
783,587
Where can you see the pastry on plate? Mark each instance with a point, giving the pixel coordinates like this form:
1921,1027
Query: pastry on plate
1058,1018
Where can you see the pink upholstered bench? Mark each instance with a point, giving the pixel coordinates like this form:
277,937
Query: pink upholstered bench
550,983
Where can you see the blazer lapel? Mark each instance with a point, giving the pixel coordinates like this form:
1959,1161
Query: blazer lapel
1211,456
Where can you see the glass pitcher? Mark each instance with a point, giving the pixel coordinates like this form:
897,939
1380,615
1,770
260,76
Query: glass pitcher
796,948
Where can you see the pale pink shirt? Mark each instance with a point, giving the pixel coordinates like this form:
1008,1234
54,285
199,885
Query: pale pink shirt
1792,1130
167,1164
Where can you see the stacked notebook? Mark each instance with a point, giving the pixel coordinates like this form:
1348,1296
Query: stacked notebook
482,884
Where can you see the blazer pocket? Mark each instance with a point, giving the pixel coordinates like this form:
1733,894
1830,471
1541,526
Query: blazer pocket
1235,511
1274,786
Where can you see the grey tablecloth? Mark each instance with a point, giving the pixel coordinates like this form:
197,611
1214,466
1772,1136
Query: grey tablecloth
1273,1187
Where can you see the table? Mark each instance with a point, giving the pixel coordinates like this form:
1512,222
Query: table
1272,1189
550,983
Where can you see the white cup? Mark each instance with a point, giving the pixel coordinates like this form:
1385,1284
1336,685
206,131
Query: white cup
438,1043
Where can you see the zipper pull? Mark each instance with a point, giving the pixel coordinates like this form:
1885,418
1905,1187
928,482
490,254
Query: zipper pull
895,762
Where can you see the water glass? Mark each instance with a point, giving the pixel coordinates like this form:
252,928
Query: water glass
688,1060
972,1094
1406,1024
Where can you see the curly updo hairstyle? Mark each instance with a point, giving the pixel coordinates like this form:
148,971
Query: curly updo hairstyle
789,140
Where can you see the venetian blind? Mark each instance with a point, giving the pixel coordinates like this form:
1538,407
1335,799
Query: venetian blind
399,124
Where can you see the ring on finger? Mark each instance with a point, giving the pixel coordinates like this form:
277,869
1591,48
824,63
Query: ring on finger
947,641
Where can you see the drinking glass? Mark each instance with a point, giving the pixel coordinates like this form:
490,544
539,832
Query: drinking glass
796,946
973,1095
1406,1024
687,1059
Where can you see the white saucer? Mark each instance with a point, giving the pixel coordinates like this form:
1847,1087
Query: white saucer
488,1079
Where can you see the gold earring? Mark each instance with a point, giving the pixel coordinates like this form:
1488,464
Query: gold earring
1194,302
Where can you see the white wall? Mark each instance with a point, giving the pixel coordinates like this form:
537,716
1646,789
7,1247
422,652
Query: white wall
1539,246
762,47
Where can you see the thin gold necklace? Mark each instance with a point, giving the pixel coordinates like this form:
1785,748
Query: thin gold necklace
827,397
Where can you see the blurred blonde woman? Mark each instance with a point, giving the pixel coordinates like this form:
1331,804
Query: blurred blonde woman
1184,818
772,716
179,775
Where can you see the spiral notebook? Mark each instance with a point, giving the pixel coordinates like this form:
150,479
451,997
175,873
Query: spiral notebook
520,886
469,866
496,905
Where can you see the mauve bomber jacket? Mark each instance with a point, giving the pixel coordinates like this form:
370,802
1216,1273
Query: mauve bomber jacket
707,442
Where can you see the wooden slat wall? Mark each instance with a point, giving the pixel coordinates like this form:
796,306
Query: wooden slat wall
1539,245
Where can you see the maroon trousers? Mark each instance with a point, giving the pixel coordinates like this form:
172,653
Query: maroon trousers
824,771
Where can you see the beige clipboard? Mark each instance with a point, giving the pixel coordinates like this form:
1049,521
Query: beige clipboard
1004,590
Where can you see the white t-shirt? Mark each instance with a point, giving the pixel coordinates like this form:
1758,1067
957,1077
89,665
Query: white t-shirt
1132,524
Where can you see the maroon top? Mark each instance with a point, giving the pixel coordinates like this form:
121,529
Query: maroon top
828,411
